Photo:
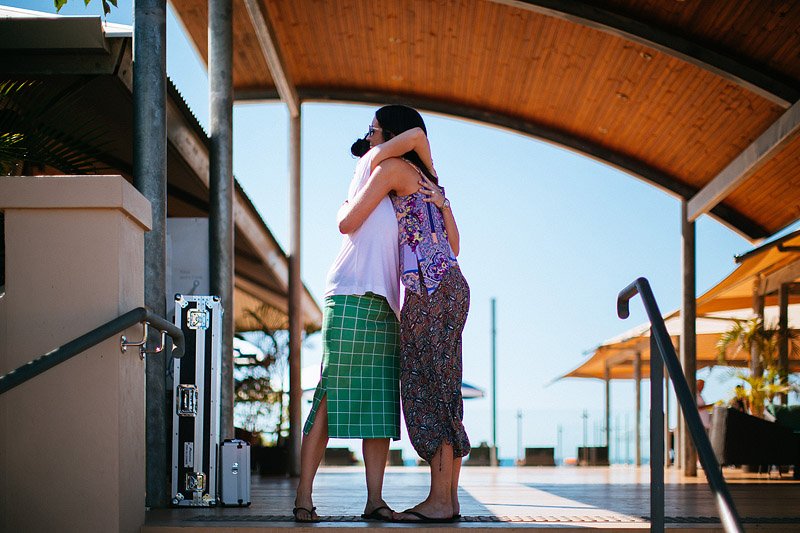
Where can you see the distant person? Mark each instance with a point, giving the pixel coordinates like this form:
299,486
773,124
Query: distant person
702,407
358,395
739,400
433,315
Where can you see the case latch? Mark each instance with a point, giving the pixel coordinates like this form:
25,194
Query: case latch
187,400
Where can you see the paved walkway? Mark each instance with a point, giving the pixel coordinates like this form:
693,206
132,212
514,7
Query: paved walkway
617,497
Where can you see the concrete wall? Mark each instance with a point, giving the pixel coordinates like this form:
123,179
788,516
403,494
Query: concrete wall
72,440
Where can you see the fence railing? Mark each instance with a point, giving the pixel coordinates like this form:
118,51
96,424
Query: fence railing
662,353
84,342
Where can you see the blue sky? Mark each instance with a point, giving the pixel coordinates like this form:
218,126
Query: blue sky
552,235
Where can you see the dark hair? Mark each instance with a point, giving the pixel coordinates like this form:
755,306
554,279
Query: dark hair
360,147
395,119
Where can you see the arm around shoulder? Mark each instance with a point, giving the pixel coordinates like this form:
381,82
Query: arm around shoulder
413,139
353,213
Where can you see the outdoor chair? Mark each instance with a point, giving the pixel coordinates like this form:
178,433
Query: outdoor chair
741,439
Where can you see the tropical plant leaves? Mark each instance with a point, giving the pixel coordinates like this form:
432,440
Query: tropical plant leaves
58,4
258,379
757,340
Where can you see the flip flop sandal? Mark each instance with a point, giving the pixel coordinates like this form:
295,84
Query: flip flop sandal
375,514
297,510
422,519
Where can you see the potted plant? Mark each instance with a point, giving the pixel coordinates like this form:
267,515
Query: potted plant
261,408
763,382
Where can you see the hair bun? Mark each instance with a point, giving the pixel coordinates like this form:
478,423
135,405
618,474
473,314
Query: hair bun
360,147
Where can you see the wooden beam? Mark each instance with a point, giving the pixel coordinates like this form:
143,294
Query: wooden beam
737,70
769,143
265,34
271,298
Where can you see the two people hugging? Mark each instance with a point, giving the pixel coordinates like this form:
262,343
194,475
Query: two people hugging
398,228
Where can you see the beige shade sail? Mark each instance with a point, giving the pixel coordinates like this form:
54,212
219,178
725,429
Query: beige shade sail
619,353
760,271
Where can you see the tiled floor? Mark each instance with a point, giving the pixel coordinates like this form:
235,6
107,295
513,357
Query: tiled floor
561,497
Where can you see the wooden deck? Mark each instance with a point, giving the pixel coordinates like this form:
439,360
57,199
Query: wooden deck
566,498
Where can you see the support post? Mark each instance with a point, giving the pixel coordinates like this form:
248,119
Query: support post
756,369
150,178
220,85
607,380
493,452
783,338
637,380
295,296
688,343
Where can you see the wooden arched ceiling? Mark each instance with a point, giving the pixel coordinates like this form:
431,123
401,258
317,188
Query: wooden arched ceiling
680,93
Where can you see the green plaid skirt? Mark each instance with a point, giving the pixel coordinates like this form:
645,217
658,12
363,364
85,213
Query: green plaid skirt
360,368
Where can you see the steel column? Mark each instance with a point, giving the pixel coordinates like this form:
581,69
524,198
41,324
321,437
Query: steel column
637,380
220,85
295,295
688,342
493,451
150,178
783,338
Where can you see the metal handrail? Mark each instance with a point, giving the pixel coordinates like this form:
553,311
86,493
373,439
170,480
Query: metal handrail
660,343
84,342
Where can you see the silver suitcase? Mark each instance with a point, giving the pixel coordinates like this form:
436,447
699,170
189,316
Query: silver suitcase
196,401
234,472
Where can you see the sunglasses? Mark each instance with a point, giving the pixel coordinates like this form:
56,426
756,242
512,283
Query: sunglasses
372,129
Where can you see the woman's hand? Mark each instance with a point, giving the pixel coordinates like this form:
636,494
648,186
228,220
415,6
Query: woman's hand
433,195
431,191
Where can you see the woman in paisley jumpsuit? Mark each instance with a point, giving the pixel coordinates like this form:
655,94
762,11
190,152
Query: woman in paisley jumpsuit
433,313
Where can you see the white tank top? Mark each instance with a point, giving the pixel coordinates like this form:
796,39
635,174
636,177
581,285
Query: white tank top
368,260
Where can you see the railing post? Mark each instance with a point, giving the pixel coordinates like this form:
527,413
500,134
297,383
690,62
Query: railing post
659,335
637,380
656,438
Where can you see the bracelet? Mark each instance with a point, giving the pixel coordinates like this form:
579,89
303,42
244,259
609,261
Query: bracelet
445,204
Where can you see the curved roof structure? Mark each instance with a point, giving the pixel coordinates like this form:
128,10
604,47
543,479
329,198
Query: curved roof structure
695,98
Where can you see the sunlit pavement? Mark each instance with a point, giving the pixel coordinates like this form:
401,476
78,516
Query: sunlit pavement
610,498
